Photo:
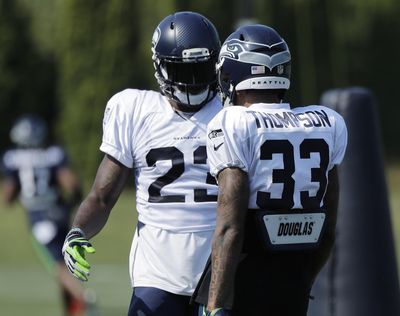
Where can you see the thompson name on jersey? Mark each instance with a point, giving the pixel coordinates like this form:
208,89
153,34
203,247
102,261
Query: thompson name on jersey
286,152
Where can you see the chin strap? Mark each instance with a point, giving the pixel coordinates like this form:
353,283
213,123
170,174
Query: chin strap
186,101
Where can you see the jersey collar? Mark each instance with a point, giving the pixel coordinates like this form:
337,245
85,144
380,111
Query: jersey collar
284,106
213,106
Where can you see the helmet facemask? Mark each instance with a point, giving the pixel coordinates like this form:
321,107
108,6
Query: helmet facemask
189,81
185,48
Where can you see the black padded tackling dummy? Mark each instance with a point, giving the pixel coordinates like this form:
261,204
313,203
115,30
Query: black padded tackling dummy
361,277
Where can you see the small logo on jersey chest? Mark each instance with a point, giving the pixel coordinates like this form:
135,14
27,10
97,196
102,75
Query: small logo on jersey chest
215,133
216,147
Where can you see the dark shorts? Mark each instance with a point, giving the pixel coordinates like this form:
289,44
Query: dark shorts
274,283
149,301
51,251
48,231
270,286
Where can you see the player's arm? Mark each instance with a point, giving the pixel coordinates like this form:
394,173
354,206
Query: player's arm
331,200
93,212
69,183
11,190
228,236
92,215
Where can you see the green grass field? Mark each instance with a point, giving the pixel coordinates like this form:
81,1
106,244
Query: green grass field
25,285
27,289
393,180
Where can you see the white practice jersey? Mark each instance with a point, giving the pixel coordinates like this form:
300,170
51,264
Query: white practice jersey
286,152
167,151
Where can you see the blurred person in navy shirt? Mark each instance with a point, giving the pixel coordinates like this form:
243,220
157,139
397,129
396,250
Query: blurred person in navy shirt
39,177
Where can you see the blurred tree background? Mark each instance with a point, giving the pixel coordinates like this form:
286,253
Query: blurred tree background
65,58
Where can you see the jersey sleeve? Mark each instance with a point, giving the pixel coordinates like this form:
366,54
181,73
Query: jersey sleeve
117,131
58,156
6,166
227,142
340,144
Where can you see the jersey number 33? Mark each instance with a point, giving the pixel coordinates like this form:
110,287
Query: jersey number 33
285,175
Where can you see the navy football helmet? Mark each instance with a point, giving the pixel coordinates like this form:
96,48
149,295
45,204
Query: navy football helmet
29,131
185,48
253,57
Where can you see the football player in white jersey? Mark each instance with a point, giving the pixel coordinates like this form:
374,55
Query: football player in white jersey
162,137
278,185
38,175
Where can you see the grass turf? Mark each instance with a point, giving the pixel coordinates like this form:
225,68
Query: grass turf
26,287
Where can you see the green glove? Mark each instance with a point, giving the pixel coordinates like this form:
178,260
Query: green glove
214,312
74,248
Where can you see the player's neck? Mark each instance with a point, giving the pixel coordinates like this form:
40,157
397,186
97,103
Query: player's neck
249,97
180,108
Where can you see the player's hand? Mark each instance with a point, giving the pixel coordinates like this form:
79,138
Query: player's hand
74,249
215,312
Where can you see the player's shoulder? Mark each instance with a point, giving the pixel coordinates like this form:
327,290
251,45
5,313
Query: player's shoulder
8,152
232,112
8,158
56,154
214,106
231,117
322,111
130,98
315,107
15,158
130,94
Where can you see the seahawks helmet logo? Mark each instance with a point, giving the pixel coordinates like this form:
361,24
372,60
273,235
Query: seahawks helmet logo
156,37
255,53
231,49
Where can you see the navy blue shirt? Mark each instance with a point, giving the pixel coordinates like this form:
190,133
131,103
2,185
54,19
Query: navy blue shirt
35,172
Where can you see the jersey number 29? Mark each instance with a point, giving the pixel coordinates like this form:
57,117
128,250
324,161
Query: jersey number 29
177,169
